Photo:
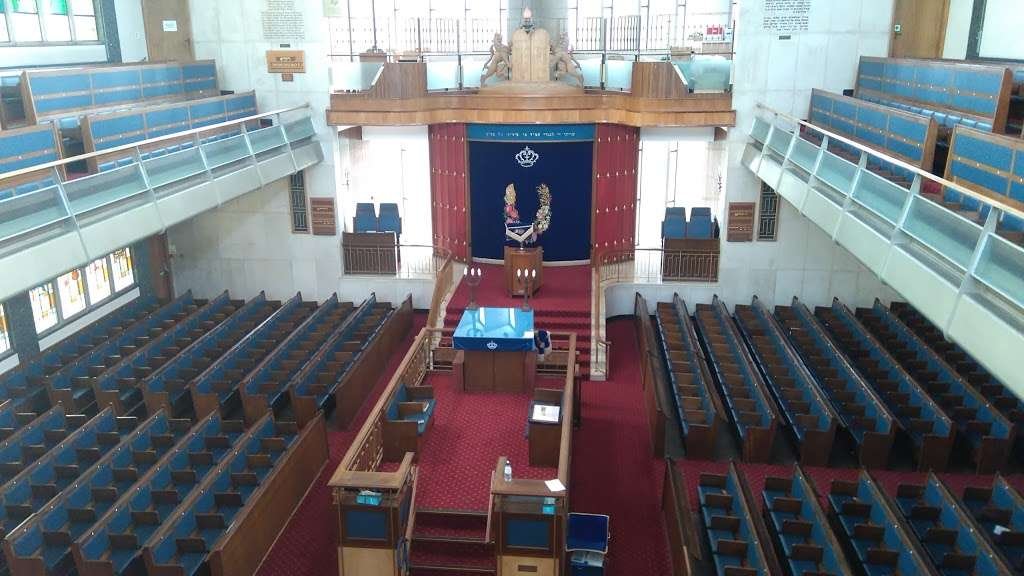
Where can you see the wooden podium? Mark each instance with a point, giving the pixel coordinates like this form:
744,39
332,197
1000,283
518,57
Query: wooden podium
522,259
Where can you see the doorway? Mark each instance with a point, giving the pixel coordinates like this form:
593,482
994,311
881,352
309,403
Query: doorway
921,26
168,30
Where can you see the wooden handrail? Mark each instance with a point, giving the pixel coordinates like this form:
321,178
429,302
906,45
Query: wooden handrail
442,284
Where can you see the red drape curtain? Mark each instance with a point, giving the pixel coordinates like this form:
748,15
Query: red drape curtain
448,188
616,158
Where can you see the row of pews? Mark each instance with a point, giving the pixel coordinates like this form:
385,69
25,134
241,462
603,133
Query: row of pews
945,117
743,524
869,380
131,446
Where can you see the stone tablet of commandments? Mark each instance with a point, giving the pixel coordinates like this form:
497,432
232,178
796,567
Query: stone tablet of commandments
531,55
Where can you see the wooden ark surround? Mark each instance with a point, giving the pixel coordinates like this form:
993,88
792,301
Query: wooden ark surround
657,98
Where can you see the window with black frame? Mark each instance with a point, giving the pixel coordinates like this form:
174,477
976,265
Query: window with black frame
768,219
36,22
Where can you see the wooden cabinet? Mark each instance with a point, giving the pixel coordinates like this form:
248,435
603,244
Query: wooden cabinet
523,259
526,566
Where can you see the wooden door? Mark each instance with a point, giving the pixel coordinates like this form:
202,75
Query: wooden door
922,28
168,30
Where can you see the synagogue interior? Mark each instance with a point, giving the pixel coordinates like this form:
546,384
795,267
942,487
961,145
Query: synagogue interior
511,287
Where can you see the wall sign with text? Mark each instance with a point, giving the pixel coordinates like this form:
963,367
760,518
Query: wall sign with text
741,222
323,216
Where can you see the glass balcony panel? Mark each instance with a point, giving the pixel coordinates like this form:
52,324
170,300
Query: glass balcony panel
943,231
1002,268
299,129
779,141
804,154
590,67
31,212
103,189
706,73
836,172
354,76
266,139
173,167
760,130
619,75
443,74
880,195
472,69
221,152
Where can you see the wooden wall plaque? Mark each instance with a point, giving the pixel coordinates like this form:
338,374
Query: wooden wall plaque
286,61
741,222
323,216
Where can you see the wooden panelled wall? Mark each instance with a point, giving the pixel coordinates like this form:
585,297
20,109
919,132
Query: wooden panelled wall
616,157
448,188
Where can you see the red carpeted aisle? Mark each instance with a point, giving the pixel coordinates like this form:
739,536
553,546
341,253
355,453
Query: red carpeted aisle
613,471
308,544
467,434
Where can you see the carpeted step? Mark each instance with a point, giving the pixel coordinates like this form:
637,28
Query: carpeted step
475,557
453,525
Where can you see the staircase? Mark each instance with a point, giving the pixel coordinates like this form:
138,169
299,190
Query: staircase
451,543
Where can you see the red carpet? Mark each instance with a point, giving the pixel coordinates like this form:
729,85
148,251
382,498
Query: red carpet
562,304
613,471
467,434
308,544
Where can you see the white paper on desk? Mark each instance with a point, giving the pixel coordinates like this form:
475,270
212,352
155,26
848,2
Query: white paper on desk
554,485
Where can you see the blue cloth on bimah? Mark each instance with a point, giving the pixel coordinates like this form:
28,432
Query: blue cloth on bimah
495,330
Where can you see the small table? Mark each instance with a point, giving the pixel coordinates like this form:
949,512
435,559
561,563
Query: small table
545,422
496,343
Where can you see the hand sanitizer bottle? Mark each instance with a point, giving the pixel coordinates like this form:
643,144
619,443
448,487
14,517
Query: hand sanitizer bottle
508,471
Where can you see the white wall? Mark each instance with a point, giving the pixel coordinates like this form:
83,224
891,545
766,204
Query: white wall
247,245
780,73
958,29
130,30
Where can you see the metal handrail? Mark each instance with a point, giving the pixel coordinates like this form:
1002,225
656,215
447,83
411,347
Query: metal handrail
991,201
134,145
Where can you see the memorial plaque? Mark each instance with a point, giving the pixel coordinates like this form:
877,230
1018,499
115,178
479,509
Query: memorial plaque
286,61
741,222
282,21
323,216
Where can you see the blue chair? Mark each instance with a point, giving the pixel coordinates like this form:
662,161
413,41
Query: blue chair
389,220
587,543
674,224
366,218
699,225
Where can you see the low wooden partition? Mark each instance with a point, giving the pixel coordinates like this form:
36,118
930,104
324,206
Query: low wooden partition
655,400
374,253
375,508
255,529
684,543
360,380
527,520
690,259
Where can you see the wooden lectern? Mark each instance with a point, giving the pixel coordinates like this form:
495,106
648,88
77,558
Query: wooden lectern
522,259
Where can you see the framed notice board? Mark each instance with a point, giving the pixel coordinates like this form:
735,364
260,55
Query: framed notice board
323,216
741,222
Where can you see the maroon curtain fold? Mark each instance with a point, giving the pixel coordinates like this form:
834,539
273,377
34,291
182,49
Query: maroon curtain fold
448,188
616,157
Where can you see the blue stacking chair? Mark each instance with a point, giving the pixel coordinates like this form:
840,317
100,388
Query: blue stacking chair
699,225
389,220
674,224
587,543
365,219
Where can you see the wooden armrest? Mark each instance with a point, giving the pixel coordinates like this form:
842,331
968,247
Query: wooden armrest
548,395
